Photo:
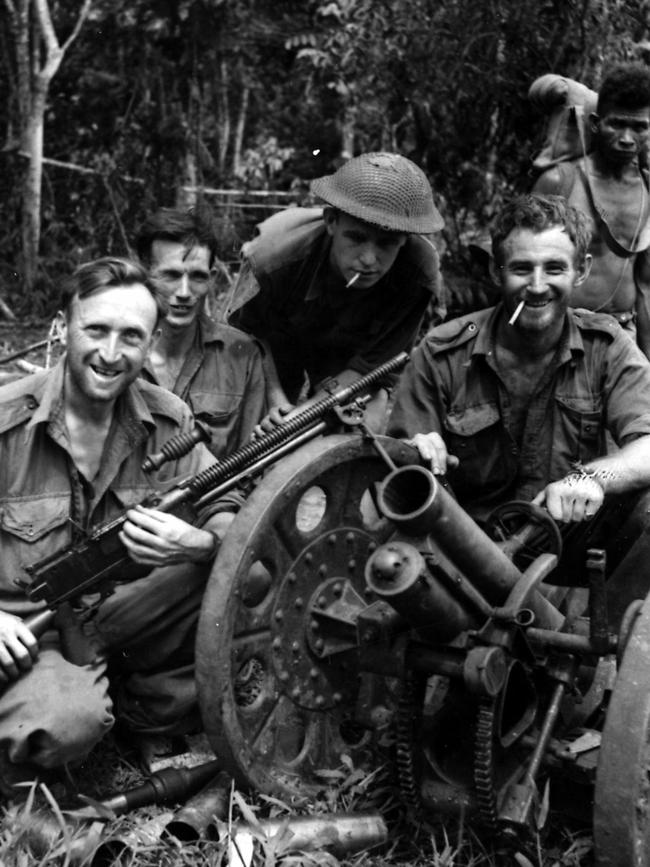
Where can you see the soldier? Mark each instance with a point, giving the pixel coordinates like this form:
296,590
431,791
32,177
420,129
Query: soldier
72,441
332,293
216,369
514,401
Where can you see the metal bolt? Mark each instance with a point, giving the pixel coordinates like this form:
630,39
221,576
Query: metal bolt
322,570
277,643
349,538
332,539
372,547
295,692
319,644
292,578
352,564
279,614
313,672
298,602
337,589
320,701
313,625
309,557
295,647
322,601
338,698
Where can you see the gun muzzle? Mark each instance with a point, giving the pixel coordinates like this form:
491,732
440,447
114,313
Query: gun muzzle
414,501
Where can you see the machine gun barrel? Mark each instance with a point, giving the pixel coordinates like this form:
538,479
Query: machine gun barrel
412,498
93,563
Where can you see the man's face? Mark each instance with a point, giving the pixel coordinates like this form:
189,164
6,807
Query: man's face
621,134
359,248
107,336
183,276
540,269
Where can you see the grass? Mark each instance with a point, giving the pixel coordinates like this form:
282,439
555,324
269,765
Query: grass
39,832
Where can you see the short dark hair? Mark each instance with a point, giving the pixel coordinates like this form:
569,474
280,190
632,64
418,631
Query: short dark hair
538,213
191,228
109,272
626,85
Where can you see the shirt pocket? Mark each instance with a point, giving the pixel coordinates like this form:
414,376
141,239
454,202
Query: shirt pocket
33,519
578,430
32,529
218,412
475,436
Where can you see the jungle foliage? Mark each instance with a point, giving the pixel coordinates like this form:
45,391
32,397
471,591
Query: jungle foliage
156,98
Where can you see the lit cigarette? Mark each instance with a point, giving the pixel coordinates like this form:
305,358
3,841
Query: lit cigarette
353,279
518,310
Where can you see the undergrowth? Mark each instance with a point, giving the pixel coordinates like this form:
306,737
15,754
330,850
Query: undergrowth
42,829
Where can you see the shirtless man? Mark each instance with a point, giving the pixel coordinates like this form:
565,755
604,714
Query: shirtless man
610,186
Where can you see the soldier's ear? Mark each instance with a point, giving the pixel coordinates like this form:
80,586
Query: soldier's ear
594,120
61,327
496,271
583,269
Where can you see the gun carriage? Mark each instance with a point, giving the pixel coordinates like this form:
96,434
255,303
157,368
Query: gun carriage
353,597
353,601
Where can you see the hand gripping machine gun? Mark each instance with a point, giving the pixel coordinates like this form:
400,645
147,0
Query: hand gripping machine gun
353,596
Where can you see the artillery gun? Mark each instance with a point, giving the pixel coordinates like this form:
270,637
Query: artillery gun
353,595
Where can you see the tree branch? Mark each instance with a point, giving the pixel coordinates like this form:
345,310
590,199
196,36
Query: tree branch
83,14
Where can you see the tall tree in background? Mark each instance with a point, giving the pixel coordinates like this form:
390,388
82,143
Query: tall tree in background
37,57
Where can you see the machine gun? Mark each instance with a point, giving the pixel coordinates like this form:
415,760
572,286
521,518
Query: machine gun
385,607
93,563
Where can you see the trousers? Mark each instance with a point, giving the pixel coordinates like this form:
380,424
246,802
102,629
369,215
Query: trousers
142,673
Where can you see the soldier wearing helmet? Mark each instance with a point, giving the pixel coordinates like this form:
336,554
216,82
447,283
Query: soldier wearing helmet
333,292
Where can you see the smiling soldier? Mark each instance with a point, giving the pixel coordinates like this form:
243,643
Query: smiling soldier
216,369
513,401
333,293
72,442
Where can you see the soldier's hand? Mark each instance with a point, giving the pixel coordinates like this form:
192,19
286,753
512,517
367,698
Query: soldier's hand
275,416
155,538
18,648
433,451
576,497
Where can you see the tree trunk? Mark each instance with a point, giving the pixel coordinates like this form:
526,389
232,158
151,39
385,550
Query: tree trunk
239,131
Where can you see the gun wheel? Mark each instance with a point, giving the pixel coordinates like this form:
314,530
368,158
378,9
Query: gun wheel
281,695
622,794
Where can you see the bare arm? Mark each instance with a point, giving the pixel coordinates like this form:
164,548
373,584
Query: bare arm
642,306
549,183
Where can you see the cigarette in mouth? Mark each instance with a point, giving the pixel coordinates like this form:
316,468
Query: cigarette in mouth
353,279
518,310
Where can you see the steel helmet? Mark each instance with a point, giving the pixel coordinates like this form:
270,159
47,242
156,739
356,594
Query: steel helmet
384,189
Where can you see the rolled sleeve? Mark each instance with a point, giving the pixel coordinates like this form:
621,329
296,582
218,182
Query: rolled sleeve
627,391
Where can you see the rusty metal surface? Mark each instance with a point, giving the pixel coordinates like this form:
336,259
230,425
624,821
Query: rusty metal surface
276,666
622,794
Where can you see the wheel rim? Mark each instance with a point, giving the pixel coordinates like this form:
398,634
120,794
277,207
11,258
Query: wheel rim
622,794
279,704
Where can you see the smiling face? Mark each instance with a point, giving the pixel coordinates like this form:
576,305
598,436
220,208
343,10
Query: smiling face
360,248
107,336
540,269
183,277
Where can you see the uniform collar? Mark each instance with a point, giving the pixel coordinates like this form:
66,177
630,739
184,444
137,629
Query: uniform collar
570,342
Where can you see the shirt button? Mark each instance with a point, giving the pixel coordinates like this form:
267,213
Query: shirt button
471,327
31,402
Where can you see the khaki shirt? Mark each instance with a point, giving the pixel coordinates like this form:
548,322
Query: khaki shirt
222,381
599,381
43,496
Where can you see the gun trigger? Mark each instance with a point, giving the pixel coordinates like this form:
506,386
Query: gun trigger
20,583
